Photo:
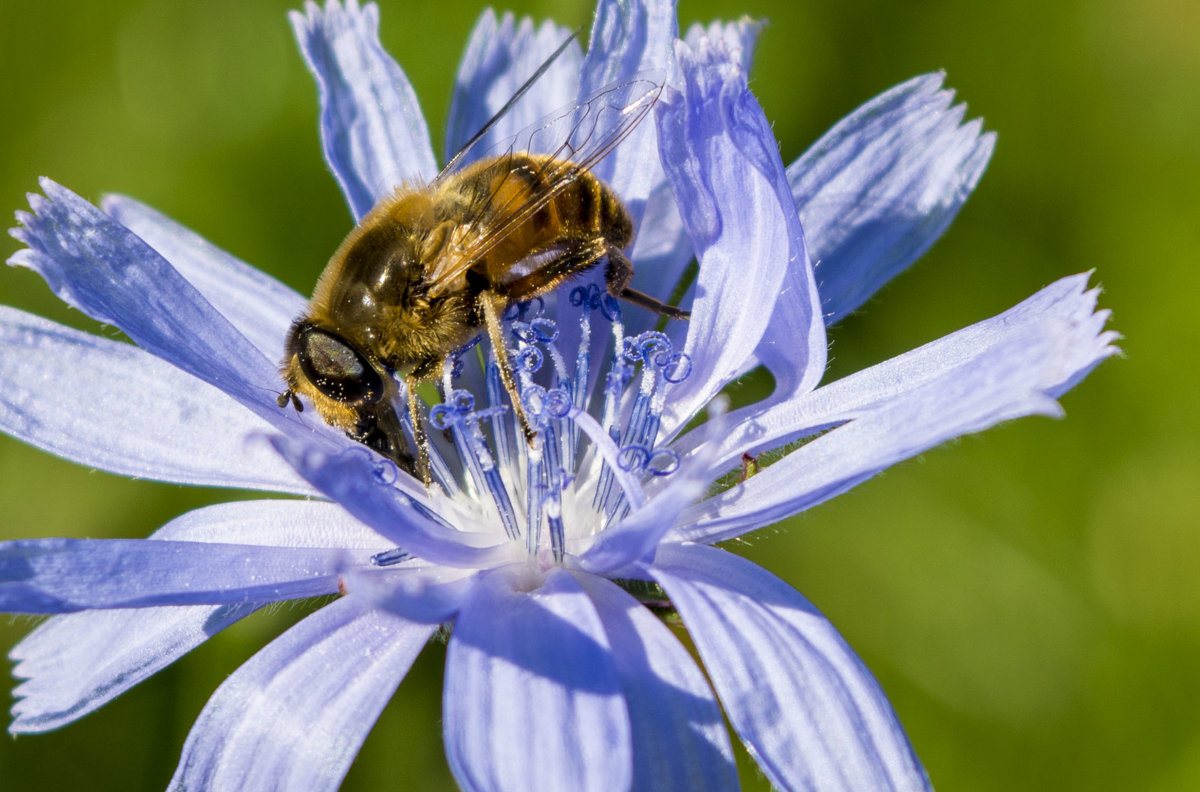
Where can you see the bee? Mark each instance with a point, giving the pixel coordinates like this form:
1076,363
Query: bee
431,265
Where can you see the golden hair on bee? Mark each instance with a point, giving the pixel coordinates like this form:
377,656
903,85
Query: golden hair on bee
431,265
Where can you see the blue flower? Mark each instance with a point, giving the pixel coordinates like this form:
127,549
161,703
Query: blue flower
557,676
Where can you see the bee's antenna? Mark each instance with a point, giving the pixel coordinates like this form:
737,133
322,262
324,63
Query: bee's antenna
508,105
289,395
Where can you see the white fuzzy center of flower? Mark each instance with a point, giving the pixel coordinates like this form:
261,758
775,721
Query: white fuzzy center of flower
581,472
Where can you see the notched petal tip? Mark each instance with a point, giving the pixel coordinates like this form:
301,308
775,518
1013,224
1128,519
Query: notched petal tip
21,234
877,190
39,203
705,61
746,234
314,14
502,52
1085,343
1011,365
929,83
303,22
738,39
54,190
373,133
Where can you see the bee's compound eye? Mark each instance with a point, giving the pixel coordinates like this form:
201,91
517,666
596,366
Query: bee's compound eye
335,367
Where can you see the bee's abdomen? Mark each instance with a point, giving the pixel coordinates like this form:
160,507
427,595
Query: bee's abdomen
586,207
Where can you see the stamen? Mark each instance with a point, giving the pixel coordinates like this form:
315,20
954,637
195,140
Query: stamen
610,454
554,518
437,463
458,415
545,410
535,489
614,387
579,386
538,478
633,457
527,360
660,365
385,473
662,462
502,430
457,362
390,557
564,449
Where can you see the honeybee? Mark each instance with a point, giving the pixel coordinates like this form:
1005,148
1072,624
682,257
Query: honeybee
431,265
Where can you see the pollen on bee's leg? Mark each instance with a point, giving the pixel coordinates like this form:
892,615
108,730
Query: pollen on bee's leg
442,474
424,465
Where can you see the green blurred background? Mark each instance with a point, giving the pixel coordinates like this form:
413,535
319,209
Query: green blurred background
1029,597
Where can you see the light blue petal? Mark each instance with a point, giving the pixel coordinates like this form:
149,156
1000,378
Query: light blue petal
756,429
274,523
102,268
256,304
500,57
66,575
74,663
630,39
424,594
371,489
662,249
1018,375
77,662
113,406
532,699
881,186
294,716
728,180
679,736
806,706
634,537
372,130
661,253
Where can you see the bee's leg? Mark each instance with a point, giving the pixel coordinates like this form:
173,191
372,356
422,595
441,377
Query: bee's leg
572,256
578,255
491,305
618,276
422,442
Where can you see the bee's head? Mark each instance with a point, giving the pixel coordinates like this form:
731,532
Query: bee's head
321,361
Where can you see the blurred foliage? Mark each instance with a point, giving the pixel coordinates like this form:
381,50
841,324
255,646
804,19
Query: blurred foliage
1028,597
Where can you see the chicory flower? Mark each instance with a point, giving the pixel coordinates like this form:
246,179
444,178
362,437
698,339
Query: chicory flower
557,675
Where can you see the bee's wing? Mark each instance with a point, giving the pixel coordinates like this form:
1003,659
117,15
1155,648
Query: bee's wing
576,140
461,154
